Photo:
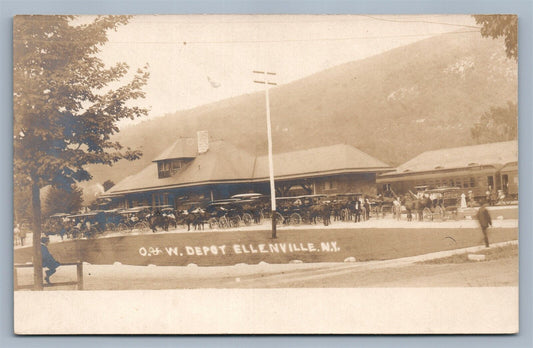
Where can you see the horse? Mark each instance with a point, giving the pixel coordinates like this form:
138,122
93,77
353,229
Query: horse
256,214
183,217
171,217
197,218
344,210
409,205
200,218
337,208
354,210
320,211
155,221
417,205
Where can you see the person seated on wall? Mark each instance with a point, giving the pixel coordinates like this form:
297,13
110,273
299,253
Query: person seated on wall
48,260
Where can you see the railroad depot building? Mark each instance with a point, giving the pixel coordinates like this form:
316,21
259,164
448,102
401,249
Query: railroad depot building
202,170
474,168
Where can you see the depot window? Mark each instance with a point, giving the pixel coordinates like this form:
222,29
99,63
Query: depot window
329,185
167,168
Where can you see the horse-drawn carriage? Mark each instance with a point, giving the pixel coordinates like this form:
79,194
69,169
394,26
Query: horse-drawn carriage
317,208
226,213
190,213
87,224
133,219
56,224
345,206
303,209
253,206
445,203
290,210
382,205
110,219
435,204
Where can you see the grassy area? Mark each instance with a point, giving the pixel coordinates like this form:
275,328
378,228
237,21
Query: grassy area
490,254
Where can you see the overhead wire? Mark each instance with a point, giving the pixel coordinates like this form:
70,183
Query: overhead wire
419,21
186,42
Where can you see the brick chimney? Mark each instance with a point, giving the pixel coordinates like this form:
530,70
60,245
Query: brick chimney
203,141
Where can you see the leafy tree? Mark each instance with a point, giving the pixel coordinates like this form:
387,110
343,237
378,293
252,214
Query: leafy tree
108,184
22,204
496,26
61,200
497,124
66,105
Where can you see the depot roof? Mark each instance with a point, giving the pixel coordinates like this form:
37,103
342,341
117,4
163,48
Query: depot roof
225,163
182,148
492,154
319,161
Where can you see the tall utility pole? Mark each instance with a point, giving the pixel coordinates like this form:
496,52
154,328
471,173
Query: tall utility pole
268,83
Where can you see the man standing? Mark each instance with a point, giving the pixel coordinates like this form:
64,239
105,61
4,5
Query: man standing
16,234
470,199
367,209
485,221
397,207
48,260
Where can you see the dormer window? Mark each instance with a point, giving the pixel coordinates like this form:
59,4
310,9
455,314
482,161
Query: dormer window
167,168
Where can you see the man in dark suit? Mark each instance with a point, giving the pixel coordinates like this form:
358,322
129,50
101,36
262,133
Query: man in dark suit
48,260
485,221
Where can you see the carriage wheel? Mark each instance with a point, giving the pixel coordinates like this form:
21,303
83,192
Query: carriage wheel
508,199
427,215
306,219
439,213
110,227
75,233
141,226
454,213
212,222
295,219
92,232
247,218
122,227
223,222
235,221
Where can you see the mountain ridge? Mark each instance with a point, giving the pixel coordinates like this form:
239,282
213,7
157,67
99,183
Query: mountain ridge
393,106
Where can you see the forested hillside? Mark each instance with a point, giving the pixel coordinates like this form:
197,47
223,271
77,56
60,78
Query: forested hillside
393,106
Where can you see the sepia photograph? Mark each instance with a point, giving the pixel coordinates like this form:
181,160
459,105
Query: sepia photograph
214,164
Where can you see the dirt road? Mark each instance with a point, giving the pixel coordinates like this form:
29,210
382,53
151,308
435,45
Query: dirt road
442,269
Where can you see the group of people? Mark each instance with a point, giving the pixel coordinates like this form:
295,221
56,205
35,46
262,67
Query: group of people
19,235
362,209
492,197
358,209
51,264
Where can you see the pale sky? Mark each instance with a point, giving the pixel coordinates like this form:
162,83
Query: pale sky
195,60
